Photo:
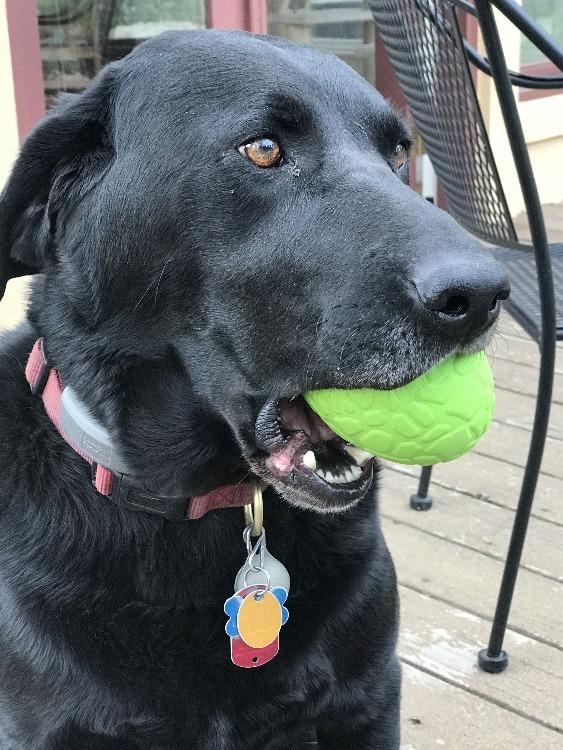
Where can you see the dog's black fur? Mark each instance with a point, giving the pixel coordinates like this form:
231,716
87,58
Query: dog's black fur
183,288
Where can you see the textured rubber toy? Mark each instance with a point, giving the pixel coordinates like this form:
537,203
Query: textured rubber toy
437,417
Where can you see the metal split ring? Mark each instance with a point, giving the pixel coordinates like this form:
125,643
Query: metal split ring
254,512
258,570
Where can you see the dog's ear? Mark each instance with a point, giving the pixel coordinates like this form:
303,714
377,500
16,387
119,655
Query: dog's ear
61,149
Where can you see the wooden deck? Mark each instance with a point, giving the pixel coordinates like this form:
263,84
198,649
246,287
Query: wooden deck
449,563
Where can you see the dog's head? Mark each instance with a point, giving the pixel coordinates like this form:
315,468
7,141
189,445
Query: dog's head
224,222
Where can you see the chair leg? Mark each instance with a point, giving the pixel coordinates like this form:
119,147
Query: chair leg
494,658
422,500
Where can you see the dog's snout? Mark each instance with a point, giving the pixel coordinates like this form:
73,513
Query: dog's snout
463,298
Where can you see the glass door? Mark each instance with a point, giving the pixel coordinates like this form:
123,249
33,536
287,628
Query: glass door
343,27
78,37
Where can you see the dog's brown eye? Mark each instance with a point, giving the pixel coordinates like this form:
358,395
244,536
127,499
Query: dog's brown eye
264,152
399,156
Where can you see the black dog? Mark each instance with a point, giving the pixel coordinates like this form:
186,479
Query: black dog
222,222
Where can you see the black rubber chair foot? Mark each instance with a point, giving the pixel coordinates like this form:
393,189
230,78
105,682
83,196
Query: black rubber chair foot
421,503
493,664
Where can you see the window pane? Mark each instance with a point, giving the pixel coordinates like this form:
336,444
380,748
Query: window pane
78,37
548,13
343,27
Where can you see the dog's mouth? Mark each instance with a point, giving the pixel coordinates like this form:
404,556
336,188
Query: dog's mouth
302,455
307,462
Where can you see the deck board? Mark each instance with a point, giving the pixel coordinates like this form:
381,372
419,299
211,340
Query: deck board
12,305
441,716
521,378
511,444
475,524
494,481
520,350
469,579
517,409
442,641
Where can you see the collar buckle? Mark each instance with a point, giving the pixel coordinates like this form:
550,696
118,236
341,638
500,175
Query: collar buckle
125,495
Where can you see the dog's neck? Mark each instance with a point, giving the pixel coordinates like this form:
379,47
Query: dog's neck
110,474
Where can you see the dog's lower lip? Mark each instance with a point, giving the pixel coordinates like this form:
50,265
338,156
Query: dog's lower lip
303,452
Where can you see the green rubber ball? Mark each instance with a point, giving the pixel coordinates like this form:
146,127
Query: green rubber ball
437,417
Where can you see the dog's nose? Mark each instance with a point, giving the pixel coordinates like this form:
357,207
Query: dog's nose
463,298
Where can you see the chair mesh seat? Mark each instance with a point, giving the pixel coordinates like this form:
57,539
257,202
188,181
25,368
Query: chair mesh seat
524,300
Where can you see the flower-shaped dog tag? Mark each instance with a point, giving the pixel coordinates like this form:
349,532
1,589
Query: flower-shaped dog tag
256,615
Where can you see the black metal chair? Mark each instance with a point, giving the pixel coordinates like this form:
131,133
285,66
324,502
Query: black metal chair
433,63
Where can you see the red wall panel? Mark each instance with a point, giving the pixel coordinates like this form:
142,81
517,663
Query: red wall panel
26,63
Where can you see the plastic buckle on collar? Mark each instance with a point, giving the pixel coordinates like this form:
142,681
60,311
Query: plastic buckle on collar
41,380
126,496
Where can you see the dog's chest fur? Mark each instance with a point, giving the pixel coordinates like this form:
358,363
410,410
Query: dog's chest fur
116,618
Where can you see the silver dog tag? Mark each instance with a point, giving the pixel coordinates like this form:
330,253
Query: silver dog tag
261,567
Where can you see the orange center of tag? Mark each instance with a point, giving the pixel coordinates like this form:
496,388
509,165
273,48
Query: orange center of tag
259,619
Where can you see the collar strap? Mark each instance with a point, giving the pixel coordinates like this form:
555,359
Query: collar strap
46,382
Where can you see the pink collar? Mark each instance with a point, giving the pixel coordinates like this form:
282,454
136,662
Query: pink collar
46,381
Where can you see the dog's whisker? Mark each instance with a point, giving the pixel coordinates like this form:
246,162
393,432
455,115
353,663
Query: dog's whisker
244,478
160,279
492,347
347,340
143,295
156,281
509,323
364,131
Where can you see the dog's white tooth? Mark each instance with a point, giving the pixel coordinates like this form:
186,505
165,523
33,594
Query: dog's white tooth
310,461
359,455
329,476
349,476
339,479
355,471
320,473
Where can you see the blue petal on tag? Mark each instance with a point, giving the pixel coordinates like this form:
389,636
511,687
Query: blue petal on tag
281,595
231,607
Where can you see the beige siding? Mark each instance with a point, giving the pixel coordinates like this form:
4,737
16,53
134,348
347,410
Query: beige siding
13,305
542,121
